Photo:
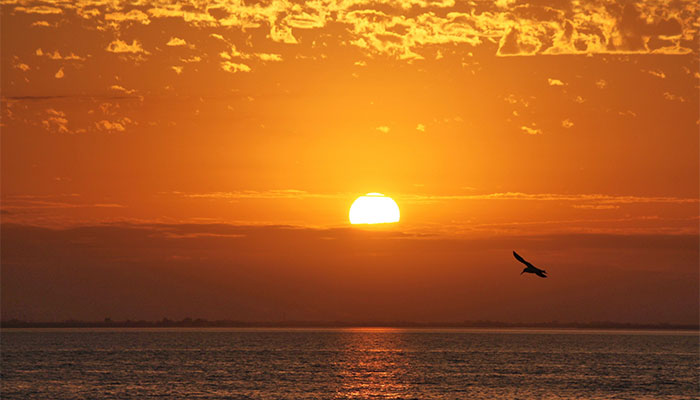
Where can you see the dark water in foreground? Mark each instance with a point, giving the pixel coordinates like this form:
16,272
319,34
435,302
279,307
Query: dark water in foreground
348,363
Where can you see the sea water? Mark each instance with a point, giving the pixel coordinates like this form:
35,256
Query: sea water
348,363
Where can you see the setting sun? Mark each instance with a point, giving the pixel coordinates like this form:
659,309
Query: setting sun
374,208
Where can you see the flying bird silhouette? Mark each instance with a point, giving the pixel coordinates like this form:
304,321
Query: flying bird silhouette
530,268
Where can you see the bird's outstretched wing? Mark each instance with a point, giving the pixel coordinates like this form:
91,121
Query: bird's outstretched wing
522,260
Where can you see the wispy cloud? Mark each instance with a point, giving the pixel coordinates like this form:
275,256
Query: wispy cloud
122,89
259,194
26,204
531,130
596,206
383,129
642,225
656,73
66,97
583,200
580,198
674,97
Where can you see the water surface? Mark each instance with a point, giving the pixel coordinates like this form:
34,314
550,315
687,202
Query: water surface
348,363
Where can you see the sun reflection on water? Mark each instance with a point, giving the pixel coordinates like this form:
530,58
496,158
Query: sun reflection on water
373,364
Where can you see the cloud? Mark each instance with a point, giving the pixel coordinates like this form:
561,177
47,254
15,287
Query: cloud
40,196
56,55
268,57
192,59
133,15
596,206
35,98
504,3
567,123
21,66
531,131
122,89
405,29
120,46
49,99
383,129
555,82
59,74
420,127
514,43
113,126
88,13
233,52
56,121
673,97
578,198
282,34
233,67
188,12
658,74
257,194
176,41
513,99
41,204
44,10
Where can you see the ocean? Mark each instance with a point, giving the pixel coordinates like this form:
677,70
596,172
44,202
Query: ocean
348,364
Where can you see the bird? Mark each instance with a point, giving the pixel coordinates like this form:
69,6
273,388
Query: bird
530,268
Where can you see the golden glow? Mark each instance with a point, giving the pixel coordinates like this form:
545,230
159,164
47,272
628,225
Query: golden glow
374,208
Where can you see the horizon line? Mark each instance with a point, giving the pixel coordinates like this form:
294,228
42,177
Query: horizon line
224,323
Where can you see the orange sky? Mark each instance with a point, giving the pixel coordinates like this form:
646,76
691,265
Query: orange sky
199,159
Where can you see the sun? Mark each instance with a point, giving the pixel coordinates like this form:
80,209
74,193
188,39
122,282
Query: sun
374,208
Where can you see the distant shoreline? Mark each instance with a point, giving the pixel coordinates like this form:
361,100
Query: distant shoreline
200,323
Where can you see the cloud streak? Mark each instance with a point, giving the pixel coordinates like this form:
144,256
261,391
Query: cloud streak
589,198
596,198
47,204
260,194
